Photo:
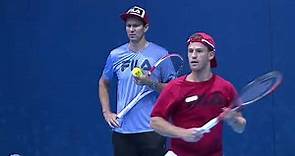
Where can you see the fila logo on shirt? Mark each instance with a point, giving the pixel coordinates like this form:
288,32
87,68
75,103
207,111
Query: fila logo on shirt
134,63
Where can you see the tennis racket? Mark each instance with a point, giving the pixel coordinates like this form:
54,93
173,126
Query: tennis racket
252,92
177,62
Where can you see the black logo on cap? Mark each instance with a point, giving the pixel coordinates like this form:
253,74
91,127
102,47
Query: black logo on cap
137,11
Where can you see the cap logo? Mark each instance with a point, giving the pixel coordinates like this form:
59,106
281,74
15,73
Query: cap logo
136,11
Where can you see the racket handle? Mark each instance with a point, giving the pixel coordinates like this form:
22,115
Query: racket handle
124,111
210,124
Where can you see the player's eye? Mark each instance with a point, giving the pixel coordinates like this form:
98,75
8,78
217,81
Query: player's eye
199,50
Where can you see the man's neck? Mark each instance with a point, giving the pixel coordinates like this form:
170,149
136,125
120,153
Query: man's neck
200,76
138,46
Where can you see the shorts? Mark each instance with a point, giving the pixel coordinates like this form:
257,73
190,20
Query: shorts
139,144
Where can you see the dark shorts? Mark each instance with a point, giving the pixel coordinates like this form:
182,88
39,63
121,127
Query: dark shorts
139,144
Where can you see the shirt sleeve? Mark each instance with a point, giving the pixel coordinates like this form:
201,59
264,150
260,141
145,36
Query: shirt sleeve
166,103
232,96
108,70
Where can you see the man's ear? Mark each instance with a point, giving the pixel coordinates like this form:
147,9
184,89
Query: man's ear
146,28
211,54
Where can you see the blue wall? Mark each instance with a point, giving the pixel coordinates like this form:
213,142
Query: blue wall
52,53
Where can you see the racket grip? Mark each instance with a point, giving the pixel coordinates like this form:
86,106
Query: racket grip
210,124
125,110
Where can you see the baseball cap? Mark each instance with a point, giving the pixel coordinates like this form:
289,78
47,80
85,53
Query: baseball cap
135,11
207,40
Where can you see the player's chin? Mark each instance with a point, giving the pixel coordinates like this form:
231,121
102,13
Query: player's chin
133,38
194,67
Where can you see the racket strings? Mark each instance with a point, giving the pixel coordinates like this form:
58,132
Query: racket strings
172,59
259,89
177,62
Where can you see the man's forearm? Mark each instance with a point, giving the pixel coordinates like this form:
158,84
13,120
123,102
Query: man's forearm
104,96
165,128
157,86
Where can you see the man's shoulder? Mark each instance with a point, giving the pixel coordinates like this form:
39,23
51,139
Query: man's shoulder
120,49
221,81
157,47
177,81
177,87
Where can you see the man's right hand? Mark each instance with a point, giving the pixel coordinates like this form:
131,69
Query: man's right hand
192,135
111,119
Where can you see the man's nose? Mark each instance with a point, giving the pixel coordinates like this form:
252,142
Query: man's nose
194,54
132,28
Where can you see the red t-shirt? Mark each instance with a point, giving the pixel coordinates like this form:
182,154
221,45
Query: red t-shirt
192,104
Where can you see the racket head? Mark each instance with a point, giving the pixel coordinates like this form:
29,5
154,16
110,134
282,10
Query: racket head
171,59
259,88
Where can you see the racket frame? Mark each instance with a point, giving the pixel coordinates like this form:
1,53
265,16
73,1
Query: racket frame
271,75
